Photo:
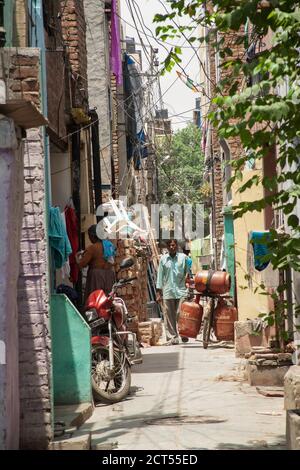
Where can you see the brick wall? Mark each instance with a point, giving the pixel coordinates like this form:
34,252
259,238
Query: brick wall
216,151
34,333
58,100
22,73
216,173
33,294
74,35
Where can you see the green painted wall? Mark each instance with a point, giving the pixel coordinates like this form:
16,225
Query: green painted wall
71,353
229,246
199,247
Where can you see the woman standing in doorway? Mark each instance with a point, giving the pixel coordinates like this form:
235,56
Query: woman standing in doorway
101,274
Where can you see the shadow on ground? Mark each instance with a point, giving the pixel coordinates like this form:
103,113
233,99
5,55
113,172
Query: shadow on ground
158,363
117,428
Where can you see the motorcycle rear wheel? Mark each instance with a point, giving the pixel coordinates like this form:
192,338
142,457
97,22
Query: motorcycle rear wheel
102,389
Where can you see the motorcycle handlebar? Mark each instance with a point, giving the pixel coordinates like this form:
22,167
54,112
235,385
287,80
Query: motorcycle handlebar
123,282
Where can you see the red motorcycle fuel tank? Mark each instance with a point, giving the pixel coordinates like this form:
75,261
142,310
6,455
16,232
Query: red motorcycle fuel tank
100,302
190,318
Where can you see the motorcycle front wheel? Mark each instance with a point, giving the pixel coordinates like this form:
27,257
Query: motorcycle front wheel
110,386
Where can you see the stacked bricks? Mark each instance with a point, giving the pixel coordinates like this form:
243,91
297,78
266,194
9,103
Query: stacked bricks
22,68
135,295
151,331
146,332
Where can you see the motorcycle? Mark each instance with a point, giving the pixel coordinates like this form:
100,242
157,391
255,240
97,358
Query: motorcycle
114,348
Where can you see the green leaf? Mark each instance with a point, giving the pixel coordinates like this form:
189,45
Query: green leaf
293,221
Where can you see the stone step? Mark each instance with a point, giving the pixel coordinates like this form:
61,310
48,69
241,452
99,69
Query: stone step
73,415
100,443
76,441
68,418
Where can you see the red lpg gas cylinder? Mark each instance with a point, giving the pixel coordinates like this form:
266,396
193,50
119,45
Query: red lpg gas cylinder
225,316
214,282
190,318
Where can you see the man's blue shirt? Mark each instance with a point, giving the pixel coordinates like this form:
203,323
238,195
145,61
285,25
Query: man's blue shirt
171,276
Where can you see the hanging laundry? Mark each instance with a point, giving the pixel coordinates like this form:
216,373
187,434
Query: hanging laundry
65,270
72,231
261,251
58,238
109,251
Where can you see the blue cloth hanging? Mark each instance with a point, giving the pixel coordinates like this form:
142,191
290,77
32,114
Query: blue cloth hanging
109,249
58,238
259,242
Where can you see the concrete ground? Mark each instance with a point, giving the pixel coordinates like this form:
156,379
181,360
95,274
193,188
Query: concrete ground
185,397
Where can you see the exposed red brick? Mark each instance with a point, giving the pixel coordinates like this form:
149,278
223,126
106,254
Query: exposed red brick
26,71
24,60
74,34
27,85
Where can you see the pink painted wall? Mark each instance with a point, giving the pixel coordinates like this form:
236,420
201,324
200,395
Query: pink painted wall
11,210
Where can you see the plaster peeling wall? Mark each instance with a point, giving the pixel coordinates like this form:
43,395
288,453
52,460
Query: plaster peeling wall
11,209
22,68
99,78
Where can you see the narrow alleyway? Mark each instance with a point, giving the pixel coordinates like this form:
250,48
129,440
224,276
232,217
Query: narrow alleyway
204,388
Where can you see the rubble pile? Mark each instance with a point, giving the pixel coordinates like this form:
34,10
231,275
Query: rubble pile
267,357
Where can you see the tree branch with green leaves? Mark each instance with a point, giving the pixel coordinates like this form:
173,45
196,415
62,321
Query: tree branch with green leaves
255,101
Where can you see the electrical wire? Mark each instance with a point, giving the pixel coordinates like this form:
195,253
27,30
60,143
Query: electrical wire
88,125
191,44
161,43
148,57
124,133
140,21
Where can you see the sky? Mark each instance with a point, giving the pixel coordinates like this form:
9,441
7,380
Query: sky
179,98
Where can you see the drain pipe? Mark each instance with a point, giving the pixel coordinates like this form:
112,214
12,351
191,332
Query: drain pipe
96,160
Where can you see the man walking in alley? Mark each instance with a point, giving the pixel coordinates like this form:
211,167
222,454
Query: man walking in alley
171,278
